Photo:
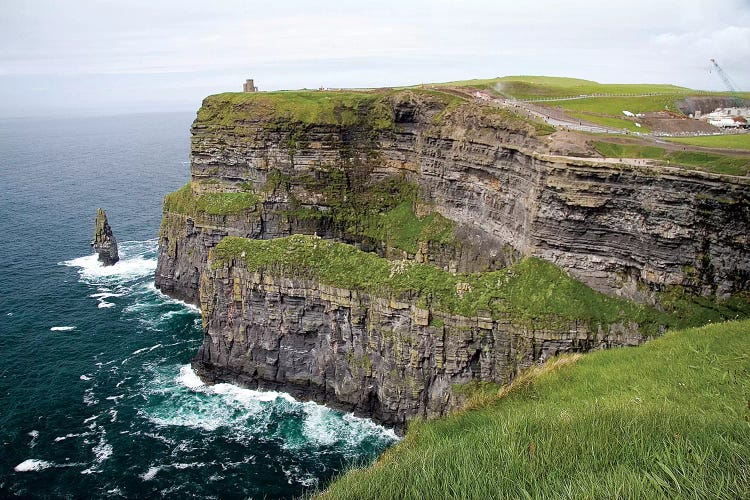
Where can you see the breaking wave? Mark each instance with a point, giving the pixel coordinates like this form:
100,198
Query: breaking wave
179,398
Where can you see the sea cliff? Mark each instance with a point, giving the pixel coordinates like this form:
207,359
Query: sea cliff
425,177
390,339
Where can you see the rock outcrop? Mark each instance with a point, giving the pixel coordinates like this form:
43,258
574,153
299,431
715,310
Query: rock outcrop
104,242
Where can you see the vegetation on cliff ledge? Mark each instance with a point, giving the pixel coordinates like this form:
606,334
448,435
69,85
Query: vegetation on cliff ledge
667,419
532,292
184,201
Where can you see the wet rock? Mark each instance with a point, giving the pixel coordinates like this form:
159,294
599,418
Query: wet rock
104,242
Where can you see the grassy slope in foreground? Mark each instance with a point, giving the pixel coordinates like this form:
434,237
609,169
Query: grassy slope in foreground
670,418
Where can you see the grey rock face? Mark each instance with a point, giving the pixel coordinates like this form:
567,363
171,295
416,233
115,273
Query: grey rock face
384,358
623,230
104,242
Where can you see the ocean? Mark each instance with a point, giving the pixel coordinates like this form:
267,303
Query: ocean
97,397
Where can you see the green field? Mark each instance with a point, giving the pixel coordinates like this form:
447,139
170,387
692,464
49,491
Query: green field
617,123
709,162
735,141
669,419
536,87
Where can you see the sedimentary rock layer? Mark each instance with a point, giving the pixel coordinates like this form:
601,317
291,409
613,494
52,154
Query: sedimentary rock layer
622,229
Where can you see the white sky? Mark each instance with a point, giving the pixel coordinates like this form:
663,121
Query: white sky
112,56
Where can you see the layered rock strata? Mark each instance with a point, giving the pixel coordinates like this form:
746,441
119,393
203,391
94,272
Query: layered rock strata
413,175
104,242
622,229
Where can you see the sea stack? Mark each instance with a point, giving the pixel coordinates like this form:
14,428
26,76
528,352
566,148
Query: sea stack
104,241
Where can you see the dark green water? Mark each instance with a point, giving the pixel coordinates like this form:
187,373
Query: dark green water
97,398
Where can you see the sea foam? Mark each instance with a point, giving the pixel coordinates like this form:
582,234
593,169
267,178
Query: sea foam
31,465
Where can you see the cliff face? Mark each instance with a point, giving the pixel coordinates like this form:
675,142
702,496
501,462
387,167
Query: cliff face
621,229
421,177
375,352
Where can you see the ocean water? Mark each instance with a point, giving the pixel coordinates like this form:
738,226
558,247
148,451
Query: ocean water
97,398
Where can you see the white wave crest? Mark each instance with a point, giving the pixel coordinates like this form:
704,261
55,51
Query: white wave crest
189,378
62,328
94,272
31,465
150,473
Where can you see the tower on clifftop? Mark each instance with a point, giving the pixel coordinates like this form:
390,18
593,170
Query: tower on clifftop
249,86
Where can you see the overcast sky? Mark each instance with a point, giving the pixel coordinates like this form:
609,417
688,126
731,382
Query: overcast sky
113,56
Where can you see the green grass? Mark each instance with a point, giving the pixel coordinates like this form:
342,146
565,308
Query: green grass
345,108
616,105
709,162
614,150
400,228
534,87
667,419
610,121
184,201
532,292
734,141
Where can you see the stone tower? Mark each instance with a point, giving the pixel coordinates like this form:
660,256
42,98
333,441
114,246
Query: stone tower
249,86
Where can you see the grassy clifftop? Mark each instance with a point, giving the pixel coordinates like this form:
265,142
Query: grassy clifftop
668,419
373,110
347,108
539,87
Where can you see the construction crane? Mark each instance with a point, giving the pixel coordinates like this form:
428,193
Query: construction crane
738,100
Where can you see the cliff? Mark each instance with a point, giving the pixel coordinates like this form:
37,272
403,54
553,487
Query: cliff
390,339
367,168
455,192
